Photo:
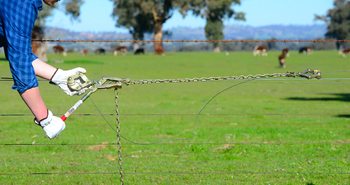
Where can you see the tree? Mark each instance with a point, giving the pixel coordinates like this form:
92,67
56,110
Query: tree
141,16
72,8
129,14
214,11
272,45
338,21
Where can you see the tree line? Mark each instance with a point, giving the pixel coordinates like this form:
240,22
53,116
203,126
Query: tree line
142,17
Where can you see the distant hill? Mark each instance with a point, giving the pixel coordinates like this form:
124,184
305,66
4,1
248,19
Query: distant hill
179,33
237,32
277,31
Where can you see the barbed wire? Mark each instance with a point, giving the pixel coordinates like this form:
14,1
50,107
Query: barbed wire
189,114
185,41
9,79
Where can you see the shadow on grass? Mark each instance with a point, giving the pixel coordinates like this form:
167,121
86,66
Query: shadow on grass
3,60
343,116
345,97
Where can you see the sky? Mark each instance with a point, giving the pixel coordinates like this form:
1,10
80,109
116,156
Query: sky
96,15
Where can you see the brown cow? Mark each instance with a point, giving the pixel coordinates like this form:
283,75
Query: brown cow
59,49
39,49
120,49
160,51
285,51
344,52
84,52
282,60
258,49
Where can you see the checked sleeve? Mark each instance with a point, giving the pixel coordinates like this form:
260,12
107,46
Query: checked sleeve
16,24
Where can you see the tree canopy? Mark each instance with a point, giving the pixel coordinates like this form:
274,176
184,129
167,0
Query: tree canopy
214,11
145,16
129,14
72,8
338,21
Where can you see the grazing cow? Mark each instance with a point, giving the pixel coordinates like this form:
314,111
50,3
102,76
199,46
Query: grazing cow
59,49
120,49
139,51
84,52
282,60
344,52
100,51
304,50
160,51
285,51
39,49
258,49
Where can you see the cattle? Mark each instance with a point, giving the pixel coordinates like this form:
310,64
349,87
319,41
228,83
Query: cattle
282,60
304,50
260,49
160,51
139,51
100,51
120,49
285,51
344,52
84,52
39,49
59,49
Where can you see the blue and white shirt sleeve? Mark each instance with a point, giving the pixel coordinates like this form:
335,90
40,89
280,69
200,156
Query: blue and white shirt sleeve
17,19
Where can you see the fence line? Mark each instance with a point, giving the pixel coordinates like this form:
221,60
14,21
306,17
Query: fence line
208,114
185,41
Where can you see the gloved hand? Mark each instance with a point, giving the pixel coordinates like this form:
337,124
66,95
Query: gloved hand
60,79
51,125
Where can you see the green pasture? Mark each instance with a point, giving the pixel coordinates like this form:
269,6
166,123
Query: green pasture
272,131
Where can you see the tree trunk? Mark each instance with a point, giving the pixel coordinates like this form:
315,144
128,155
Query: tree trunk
135,46
39,48
158,34
216,48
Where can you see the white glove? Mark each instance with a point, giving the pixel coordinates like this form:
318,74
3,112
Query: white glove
51,125
60,79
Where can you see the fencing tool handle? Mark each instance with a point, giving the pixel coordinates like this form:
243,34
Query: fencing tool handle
75,106
80,81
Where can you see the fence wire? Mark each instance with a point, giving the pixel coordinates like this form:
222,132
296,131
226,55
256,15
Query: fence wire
186,41
170,144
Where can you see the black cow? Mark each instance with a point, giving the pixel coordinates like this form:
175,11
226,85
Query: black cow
307,50
139,51
100,51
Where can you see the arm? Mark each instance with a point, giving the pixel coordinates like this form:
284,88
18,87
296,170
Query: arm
43,69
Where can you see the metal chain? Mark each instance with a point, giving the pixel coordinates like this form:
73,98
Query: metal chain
203,79
107,82
119,145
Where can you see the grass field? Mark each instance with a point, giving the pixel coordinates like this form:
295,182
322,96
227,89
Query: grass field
275,131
